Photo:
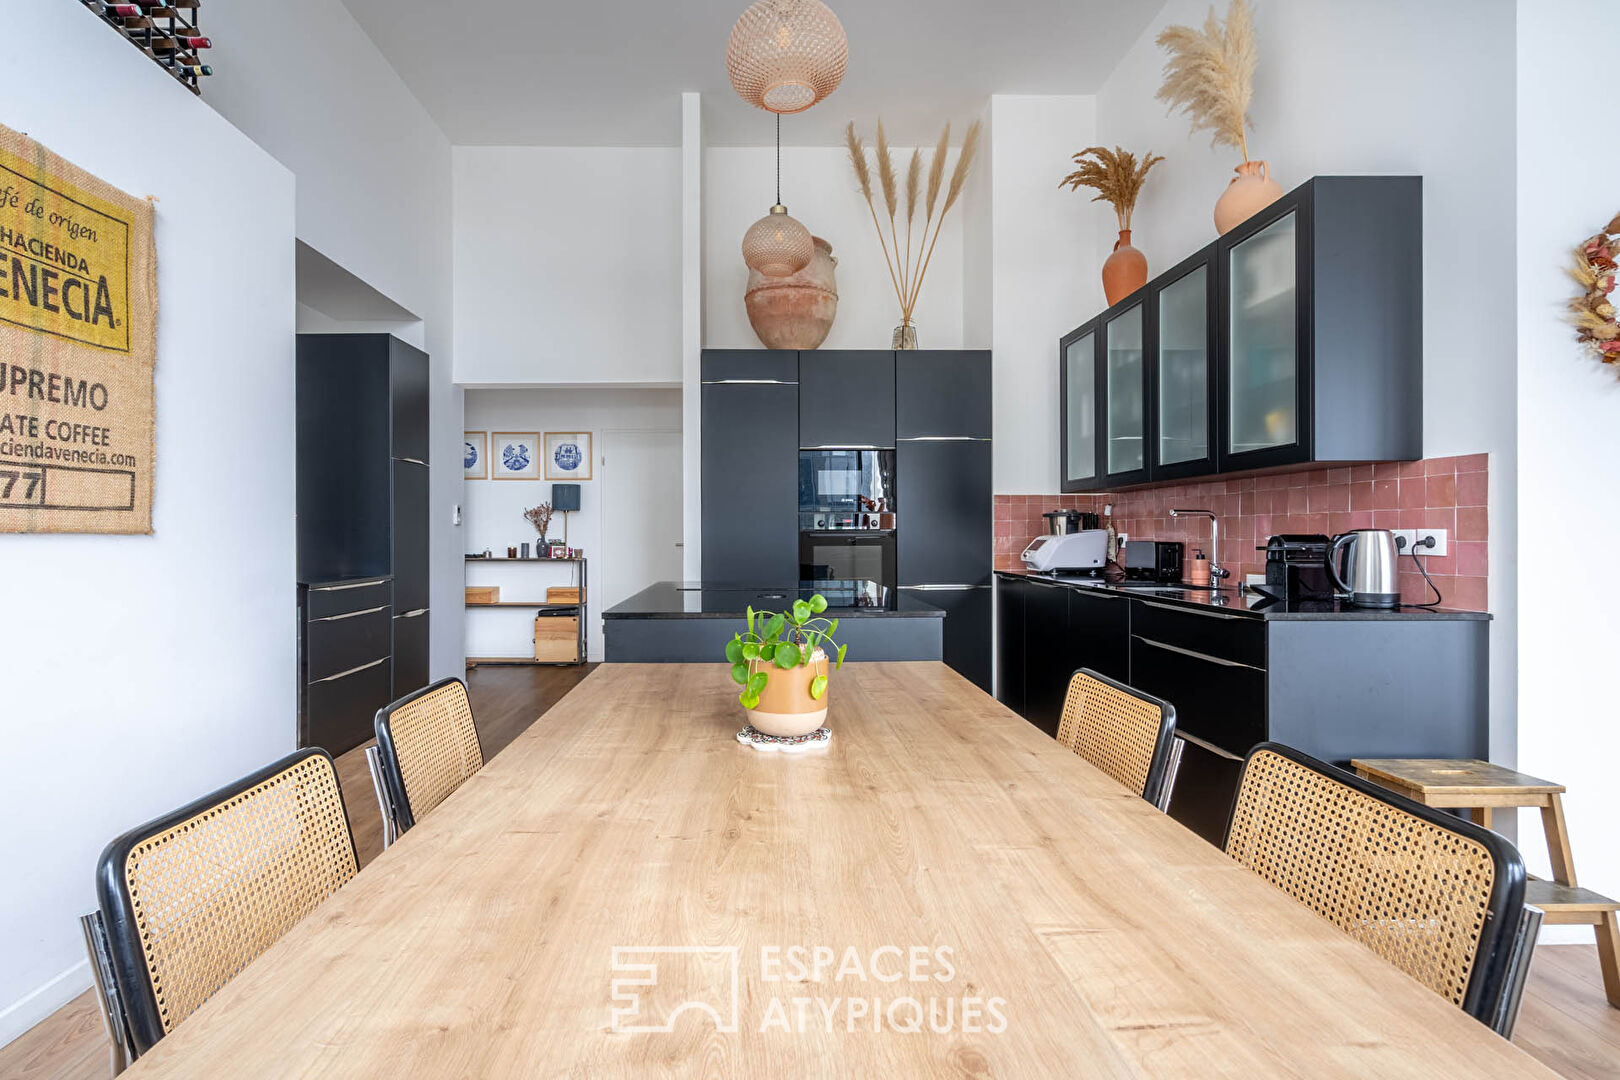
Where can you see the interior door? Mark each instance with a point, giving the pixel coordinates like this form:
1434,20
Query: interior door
641,518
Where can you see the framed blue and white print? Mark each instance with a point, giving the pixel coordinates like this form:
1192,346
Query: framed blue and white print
568,455
514,455
475,455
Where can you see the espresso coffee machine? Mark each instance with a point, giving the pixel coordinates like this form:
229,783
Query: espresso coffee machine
1296,567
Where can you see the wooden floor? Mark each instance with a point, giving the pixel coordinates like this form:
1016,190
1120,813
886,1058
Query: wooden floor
1565,1021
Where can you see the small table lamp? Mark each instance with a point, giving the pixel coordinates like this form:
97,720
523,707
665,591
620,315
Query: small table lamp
565,497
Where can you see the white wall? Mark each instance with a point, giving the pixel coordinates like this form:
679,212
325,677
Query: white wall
304,81
1380,86
152,669
1569,444
819,189
568,265
1045,280
494,508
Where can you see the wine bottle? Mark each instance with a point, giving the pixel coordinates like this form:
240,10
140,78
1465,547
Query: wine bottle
192,41
194,70
125,11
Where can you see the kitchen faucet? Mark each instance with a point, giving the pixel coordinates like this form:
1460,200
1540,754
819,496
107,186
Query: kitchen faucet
1216,572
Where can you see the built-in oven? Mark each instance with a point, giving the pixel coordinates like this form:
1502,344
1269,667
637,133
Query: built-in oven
848,555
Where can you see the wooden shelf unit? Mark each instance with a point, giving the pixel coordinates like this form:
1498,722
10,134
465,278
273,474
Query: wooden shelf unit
536,605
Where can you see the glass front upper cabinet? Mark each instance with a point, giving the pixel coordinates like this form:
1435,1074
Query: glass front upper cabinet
1263,343
1080,411
1125,408
1184,384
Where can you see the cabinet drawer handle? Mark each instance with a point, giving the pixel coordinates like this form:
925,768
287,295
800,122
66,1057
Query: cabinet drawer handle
942,588
944,438
353,671
749,382
846,446
1191,611
351,614
413,461
412,614
354,585
1195,655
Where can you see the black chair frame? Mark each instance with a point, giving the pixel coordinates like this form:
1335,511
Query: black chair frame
118,927
388,754
1501,957
1166,761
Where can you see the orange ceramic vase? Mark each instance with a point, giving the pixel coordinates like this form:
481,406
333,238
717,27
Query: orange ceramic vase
785,706
1251,191
1124,271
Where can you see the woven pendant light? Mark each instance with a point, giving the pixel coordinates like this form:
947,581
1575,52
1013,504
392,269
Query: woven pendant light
786,55
776,245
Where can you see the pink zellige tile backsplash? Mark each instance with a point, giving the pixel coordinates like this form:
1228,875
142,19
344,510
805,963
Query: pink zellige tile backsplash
1438,493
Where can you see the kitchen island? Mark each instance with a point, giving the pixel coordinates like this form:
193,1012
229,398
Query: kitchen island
684,622
1335,681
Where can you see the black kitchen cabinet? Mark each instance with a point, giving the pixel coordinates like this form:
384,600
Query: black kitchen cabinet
1123,379
410,652
408,397
1183,390
968,628
410,529
343,448
1099,633
942,395
846,399
1079,408
1048,661
363,531
945,512
1310,348
750,470
1011,593
1336,685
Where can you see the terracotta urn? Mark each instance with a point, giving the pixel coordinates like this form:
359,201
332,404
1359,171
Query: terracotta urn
785,707
1251,191
795,312
1124,271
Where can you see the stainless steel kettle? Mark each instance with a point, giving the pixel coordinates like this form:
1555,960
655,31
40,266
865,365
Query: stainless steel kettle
1370,576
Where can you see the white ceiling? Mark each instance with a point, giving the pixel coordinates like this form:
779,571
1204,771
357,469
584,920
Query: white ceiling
608,72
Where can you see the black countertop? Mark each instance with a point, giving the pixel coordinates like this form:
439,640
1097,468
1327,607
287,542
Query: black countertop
692,600
1253,605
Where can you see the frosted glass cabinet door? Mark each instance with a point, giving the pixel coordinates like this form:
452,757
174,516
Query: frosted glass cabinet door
1125,406
1263,354
1184,369
1080,410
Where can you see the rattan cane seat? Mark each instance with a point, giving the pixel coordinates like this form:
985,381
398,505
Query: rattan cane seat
1121,731
1427,896
191,899
429,746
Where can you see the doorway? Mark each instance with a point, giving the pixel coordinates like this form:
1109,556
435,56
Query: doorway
641,512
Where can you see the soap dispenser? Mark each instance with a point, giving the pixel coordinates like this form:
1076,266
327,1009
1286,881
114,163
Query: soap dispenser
1198,569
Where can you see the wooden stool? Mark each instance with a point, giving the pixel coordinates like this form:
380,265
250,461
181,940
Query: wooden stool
1479,787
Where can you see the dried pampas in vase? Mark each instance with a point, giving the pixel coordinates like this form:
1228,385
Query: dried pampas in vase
909,265
1210,78
1117,178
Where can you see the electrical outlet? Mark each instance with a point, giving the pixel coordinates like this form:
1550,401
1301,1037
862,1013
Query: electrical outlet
1413,536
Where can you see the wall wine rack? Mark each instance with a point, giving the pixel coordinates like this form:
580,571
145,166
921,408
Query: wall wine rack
165,30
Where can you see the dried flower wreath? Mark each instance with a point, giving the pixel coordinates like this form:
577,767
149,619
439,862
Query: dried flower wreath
1593,312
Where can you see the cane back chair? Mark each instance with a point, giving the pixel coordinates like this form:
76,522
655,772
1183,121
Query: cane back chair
1127,734
427,746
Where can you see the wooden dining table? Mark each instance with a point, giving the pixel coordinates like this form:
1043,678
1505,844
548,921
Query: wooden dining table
942,890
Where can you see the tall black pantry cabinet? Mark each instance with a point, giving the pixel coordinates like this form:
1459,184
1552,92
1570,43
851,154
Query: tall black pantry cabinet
945,545
362,532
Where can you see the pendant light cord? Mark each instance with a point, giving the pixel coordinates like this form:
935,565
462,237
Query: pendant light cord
778,159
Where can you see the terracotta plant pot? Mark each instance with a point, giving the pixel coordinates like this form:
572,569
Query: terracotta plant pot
1251,191
795,312
786,708
1124,271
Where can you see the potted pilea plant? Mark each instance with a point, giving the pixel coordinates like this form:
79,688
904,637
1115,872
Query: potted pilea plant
781,663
